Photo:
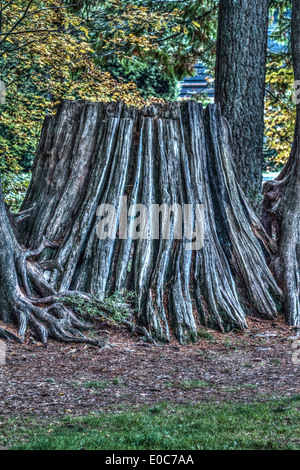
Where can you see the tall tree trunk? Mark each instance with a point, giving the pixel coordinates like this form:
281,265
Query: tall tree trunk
240,85
281,205
94,153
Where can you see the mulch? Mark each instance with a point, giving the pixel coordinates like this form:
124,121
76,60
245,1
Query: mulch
79,379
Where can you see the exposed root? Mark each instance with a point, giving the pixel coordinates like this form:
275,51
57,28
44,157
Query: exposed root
8,335
139,330
50,265
54,298
56,322
45,244
20,308
17,218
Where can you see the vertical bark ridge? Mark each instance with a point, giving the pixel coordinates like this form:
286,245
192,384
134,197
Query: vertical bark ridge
244,252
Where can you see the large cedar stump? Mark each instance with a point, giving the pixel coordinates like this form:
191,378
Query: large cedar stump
94,153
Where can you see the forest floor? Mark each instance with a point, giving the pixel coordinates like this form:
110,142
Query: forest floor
232,391
78,379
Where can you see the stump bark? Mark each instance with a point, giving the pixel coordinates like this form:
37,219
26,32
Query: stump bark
22,288
95,153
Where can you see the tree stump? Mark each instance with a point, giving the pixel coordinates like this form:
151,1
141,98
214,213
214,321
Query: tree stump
94,153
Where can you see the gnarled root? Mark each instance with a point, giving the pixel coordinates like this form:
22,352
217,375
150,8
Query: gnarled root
55,322
23,303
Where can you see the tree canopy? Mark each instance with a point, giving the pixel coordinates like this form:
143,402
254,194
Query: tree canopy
46,56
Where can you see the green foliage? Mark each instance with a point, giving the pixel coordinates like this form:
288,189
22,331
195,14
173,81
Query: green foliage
49,59
14,187
149,79
113,310
189,384
203,334
268,425
280,112
119,305
202,97
280,9
94,384
169,36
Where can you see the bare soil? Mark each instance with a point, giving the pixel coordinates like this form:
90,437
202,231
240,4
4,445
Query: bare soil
76,379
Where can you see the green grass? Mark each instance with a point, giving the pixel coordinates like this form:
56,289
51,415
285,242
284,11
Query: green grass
188,384
98,384
259,425
95,384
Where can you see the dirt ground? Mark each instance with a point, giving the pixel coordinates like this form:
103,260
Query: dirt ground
79,379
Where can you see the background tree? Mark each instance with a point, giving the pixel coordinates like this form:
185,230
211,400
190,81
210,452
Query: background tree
151,80
281,206
240,84
167,36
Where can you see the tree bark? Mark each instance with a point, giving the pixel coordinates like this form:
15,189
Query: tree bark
281,205
240,85
93,153
22,289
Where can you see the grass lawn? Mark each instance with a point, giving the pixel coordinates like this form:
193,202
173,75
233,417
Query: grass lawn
271,424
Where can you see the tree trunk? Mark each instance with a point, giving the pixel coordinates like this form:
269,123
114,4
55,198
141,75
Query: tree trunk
281,205
94,153
240,85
